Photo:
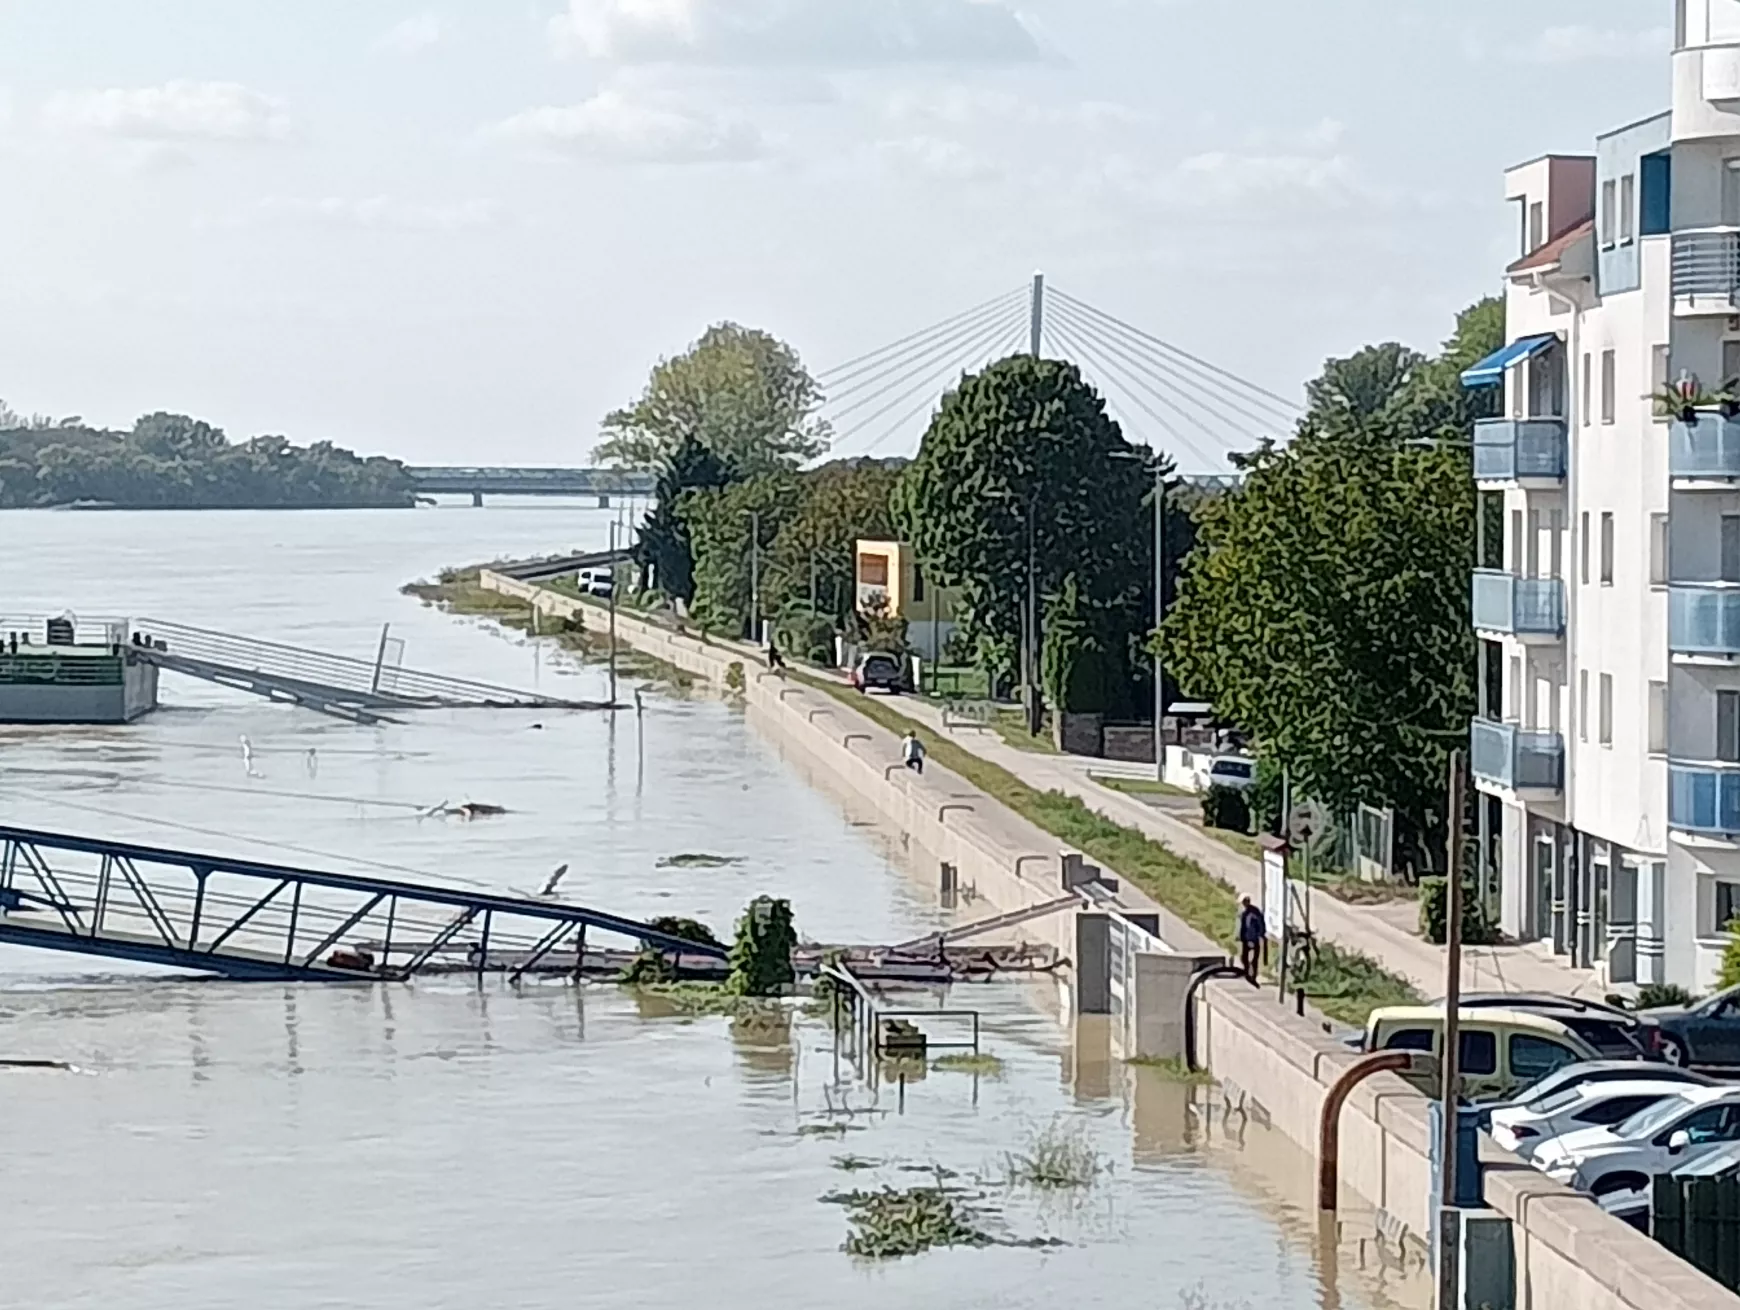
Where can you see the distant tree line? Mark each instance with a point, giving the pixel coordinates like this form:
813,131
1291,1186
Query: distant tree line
171,461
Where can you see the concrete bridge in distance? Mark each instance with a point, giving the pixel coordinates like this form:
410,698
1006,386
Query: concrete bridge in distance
480,482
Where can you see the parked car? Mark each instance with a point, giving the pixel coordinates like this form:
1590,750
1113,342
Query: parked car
1614,1033
1705,1033
880,671
597,582
1675,1132
1525,1128
1606,1071
1501,1050
1238,772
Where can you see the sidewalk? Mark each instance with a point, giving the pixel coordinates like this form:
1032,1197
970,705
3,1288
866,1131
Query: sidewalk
1354,927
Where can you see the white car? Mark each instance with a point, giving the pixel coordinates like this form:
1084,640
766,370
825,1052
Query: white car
1239,772
1524,1128
1675,1132
597,582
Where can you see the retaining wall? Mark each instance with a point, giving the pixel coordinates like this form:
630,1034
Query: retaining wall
1569,1255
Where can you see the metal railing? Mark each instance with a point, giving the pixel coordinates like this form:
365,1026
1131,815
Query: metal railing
383,683
1704,618
1515,758
1705,449
88,629
1507,449
1706,264
1704,798
1503,602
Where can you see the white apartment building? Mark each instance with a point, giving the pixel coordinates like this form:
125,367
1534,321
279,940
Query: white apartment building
1607,754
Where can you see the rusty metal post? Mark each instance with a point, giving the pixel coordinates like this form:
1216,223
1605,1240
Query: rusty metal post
1329,1125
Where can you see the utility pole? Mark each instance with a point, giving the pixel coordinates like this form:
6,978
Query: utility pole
1036,338
812,582
1033,706
1450,1094
1159,619
613,528
755,576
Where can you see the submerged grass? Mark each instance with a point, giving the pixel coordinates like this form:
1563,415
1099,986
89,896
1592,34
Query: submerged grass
704,998
892,1222
1059,1158
982,1063
1174,1070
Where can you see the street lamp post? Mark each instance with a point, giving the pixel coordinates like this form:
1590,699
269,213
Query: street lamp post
754,576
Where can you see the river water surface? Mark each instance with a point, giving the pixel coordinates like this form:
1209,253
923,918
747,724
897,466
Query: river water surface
253,1147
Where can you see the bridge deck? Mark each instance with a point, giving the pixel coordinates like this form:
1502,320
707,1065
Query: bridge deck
247,919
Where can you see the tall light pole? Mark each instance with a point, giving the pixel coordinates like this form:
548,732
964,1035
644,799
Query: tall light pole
755,576
1450,1090
613,528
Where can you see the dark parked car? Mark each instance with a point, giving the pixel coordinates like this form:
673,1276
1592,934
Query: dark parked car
1616,1034
1706,1033
878,670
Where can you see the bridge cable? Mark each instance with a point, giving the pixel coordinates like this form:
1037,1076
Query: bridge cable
839,372
929,364
1127,395
1292,409
931,377
1014,347
1175,393
965,331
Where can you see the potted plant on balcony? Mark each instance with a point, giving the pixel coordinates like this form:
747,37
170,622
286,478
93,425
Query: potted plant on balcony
1686,397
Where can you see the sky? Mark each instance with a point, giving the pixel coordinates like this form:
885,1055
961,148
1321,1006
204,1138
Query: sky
463,233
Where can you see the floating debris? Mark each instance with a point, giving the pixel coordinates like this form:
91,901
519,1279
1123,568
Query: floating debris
698,860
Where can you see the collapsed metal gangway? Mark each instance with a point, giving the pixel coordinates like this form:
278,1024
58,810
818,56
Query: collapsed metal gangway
361,690
252,920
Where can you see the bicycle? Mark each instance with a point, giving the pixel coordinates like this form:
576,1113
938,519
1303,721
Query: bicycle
1298,955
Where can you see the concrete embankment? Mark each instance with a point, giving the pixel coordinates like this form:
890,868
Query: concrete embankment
1569,1255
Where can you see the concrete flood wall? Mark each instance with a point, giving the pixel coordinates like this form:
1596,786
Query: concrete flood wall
1569,1254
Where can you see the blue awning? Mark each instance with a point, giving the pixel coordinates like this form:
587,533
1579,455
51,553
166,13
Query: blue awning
1489,372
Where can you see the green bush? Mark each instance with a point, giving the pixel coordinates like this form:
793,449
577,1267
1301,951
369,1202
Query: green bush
1226,808
1730,975
1477,929
1653,996
761,955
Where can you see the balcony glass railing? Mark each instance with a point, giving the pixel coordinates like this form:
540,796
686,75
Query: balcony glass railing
1707,449
1704,798
1531,607
1516,759
1706,264
1511,449
1704,618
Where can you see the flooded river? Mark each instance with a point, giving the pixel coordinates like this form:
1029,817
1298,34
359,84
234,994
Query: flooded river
440,1145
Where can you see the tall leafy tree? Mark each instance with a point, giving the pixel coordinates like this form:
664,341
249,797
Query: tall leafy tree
843,502
663,547
1023,461
732,529
741,393
1325,607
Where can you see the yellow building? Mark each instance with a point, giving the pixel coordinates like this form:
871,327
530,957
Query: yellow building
889,578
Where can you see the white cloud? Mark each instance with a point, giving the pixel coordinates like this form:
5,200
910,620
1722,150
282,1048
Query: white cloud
613,126
1224,176
174,111
1578,44
834,33
937,157
960,106
377,212
414,34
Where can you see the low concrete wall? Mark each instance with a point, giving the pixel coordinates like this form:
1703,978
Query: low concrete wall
46,703
1570,1256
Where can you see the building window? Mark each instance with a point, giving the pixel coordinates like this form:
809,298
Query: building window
1728,727
917,585
1583,547
1582,704
1655,195
1730,362
1730,562
1658,380
1658,718
872,570
1513,690
1727,904
1537,227
1609,386
1627,209
1606,548
1609,208
1658,549
1679,24
1606,721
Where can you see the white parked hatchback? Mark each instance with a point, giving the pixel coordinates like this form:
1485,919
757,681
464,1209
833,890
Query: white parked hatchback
1527,1127
1674,1132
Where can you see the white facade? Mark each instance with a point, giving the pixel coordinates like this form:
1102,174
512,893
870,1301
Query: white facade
1611,618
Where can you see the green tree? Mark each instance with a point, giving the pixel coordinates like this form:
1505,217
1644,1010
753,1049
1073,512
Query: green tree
741,393
843,502
663,548
1082,669
1325,608
1024,454
721,522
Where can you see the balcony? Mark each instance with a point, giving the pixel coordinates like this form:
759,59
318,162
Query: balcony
1507,758
1704,799
1705,451
1706,271
1520,450
1532,609
1704,621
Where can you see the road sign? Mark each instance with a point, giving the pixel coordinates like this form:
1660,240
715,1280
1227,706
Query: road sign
1306,820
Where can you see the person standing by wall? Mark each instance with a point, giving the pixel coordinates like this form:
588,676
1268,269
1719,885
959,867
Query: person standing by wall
1253,939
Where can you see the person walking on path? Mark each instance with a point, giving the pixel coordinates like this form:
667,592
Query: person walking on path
1253,939
912,752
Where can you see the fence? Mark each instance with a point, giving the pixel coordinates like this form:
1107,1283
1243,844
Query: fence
1698,1219
956,683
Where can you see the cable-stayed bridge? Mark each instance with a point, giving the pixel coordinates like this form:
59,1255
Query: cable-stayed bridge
1162,395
